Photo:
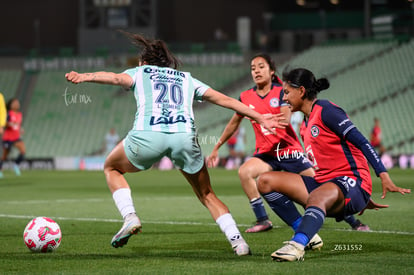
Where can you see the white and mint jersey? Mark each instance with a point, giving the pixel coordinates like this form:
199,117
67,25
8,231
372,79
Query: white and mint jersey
165,99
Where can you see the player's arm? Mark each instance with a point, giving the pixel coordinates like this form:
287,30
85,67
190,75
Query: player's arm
228,102
111,78
285,110
228,131
337,120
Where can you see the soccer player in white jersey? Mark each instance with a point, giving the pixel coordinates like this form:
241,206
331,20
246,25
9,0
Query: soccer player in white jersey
164,126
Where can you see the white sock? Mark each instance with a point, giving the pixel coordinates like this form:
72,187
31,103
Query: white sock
229,228
123,201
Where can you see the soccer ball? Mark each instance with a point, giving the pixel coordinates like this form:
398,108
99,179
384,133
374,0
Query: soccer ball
42,234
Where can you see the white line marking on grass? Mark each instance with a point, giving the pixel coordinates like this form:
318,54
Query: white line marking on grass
52,201
183,223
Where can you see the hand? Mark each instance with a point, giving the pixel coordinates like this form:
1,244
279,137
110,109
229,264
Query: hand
213,159
389,186
74,77
273,121
373,205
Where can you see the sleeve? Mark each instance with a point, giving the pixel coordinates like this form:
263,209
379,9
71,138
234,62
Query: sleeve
337,120
282,102
356,138
3,111
200,88
133,74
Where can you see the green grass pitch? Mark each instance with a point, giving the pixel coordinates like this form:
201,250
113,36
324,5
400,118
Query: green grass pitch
179,236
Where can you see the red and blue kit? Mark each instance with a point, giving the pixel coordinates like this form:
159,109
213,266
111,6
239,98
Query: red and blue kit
13,126
285,142
337,148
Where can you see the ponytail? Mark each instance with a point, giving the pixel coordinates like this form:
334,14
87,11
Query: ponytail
153,51
303,77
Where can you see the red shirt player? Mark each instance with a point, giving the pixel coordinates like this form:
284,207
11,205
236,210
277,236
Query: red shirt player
376,137
12,135
13,126
285,142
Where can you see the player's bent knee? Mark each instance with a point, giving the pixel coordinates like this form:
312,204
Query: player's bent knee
263,183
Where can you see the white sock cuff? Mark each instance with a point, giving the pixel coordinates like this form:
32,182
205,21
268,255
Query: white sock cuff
225,220
123,201
121,192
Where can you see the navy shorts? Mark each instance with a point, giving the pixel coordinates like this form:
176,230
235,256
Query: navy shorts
7,144
294,164
356,198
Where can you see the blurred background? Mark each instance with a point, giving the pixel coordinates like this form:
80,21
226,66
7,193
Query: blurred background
364,47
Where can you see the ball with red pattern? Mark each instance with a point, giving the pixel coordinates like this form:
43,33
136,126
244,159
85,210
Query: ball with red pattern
42,234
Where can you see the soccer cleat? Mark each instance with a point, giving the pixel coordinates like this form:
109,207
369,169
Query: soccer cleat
241,248
260,227
359,226
315,243
292,251
16,170
131,227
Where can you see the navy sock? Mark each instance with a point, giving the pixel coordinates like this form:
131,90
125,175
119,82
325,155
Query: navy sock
1,165
284,208
312,221
296,224
19,159
350,220
258,209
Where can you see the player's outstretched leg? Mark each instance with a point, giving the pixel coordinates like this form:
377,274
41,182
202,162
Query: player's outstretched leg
200,182
115,166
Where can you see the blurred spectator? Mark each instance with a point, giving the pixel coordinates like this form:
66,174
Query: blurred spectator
111,140
236,146
376,137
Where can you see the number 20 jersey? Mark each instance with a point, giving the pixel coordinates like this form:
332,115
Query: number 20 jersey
165,99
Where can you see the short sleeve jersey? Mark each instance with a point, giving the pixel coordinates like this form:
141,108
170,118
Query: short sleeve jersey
165,98
324,136
285,142
12,131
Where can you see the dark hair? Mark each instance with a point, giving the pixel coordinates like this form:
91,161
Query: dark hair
303,77
9,103
271,64
153,51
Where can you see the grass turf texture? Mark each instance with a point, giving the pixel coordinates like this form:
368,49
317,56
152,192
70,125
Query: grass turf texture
179,236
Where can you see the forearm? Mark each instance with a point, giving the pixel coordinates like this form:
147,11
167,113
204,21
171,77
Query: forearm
356,138
228,131
102,78
231,103
122,79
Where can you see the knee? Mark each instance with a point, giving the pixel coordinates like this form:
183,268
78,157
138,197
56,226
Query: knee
264,183
110,168
246,172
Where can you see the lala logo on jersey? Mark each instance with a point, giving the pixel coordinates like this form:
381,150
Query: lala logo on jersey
314,131
274,102
167,119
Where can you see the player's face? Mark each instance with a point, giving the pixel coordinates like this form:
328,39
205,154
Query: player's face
15,105
293,96
261,72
